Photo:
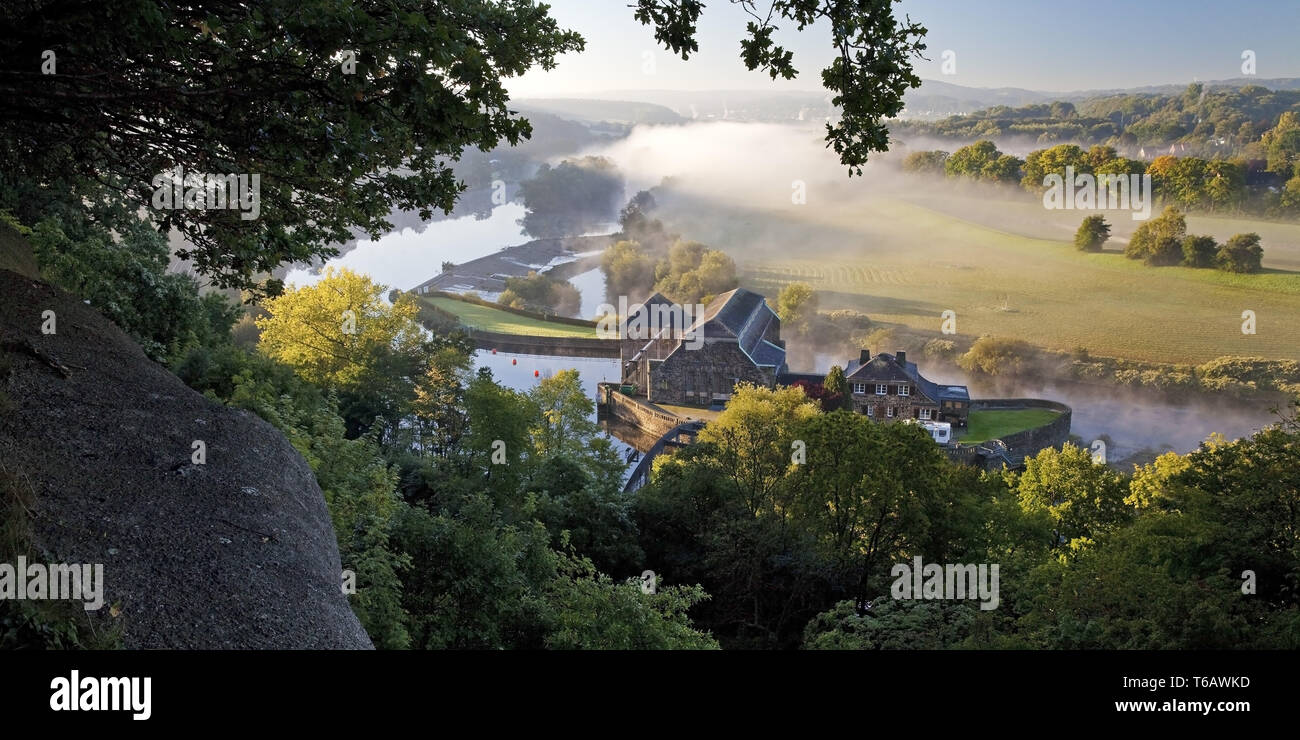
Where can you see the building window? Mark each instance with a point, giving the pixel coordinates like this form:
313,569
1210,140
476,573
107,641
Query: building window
871,410
904,390
889,412
859,387
881,389
925,414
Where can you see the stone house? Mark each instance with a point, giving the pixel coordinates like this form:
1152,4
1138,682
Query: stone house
697,357
889,388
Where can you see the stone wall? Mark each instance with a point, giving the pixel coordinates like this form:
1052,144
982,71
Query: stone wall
645,416
530,345
1031,441
905,407
1021,444
695,376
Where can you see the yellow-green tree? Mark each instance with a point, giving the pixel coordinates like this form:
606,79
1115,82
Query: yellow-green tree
797,306
756,438
339,332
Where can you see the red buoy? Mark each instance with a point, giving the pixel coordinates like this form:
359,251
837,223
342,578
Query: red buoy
537,373
514,361
494,351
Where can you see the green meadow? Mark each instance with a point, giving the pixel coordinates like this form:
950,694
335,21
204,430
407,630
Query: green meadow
504,322
906,264
995,424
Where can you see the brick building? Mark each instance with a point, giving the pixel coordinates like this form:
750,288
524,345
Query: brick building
737,338
888,388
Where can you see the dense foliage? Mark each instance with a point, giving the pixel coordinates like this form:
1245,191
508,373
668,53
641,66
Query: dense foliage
540,292
798,552
345,110
473,515
1229,151
573,197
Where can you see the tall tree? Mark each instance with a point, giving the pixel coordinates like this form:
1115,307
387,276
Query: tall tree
338,332
345,109
836,384
796,305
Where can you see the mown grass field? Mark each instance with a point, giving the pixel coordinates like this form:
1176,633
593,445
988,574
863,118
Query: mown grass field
985,425
504,322
905,264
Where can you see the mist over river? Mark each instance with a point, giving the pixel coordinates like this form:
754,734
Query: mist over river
708,159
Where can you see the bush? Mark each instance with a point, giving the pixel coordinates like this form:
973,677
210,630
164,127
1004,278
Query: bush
1199,251
996,356
1160,240
1092,234
939,349
1241,253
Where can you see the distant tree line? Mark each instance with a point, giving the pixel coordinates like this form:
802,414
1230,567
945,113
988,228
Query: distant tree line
1209,121
1263,178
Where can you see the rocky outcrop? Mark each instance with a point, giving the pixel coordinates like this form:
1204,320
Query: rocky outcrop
237,552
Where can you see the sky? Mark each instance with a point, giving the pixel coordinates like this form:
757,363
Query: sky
1044,45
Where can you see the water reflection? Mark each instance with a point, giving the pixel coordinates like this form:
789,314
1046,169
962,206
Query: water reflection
524,372
405,258
591,284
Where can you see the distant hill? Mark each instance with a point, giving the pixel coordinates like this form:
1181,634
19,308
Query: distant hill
934,99
732,105
598,111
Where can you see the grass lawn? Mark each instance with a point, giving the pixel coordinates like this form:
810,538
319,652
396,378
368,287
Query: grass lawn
985,425
905,264
504,322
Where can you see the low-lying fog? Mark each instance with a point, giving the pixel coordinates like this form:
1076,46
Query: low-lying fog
758,166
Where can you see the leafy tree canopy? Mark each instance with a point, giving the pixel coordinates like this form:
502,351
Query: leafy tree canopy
346,109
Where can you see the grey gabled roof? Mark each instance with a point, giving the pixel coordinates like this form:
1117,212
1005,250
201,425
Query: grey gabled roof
886,367
733,310
744,316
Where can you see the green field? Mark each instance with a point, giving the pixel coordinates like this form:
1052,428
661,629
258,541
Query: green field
985,425
905,264
504,322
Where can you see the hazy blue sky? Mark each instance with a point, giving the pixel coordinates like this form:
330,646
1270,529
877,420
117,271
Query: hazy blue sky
1036,44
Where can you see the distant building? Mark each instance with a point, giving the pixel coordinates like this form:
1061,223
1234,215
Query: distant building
888,388
736,339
